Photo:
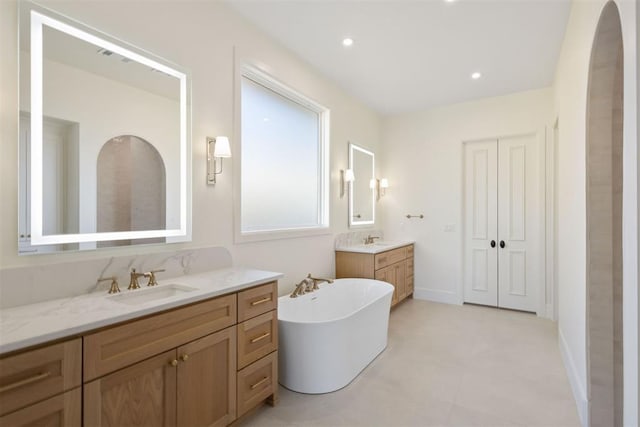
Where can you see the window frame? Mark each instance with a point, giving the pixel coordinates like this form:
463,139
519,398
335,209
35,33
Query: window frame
269,82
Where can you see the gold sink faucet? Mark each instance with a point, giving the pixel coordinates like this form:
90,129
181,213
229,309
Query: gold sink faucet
369,239
133,283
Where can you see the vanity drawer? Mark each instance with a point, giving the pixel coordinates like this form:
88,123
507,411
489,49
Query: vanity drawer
258,300
63,410
120,346
37,374
257,337
389,257
256,382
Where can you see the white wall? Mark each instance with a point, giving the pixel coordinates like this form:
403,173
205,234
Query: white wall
201,37
570,100
422,158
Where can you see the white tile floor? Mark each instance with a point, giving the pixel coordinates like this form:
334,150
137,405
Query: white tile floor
446,365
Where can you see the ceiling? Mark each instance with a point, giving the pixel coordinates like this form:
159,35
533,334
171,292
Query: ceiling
413,55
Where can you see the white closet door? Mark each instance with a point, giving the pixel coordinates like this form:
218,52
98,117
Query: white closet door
481,275
518,223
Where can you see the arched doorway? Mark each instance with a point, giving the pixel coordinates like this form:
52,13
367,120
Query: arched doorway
604,222
131,188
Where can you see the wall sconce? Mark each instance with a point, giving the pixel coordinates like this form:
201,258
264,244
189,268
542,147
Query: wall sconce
381,187
346,176
217,148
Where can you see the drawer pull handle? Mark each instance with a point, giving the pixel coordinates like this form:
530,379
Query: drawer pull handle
261,337
26,381
173,363
260,301
256,385
184,357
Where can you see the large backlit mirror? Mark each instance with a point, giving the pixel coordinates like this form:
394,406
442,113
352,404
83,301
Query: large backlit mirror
104,140
362,188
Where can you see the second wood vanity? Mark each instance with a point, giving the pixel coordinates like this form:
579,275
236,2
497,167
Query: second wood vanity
393,265
206,363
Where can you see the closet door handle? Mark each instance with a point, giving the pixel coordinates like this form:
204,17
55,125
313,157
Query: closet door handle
493,243
502,244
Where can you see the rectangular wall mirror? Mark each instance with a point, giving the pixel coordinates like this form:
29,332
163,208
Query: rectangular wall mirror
362,204
104,139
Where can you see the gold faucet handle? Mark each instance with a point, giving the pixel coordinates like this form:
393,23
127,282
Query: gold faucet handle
114,289
152,276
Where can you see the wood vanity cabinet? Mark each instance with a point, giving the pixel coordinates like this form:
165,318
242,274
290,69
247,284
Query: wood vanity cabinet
181,367
204,364
42,386
394,266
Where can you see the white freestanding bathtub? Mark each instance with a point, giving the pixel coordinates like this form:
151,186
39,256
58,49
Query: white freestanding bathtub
329,336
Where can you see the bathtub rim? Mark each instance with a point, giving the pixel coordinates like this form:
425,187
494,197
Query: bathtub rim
389,288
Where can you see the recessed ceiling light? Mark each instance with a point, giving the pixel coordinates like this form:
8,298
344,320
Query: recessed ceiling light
476,75
347,42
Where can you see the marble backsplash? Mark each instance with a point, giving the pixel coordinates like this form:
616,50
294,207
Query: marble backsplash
32,284
356,237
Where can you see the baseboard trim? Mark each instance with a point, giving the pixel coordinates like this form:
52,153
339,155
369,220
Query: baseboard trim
578,389
436,296
548,312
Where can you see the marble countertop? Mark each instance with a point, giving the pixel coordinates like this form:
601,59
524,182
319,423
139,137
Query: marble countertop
375,248
28,325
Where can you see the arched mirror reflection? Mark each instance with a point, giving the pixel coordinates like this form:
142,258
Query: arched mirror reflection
131,189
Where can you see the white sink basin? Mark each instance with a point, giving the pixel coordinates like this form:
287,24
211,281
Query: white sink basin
141,296
384,243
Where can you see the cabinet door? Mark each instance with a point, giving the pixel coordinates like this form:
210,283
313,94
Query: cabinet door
400,275
207,380
62,410
388,274
143,394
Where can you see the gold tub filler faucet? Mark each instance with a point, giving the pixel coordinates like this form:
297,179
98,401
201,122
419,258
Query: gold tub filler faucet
307,285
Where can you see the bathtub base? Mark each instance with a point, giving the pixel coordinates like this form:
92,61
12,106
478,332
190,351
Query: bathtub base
330,389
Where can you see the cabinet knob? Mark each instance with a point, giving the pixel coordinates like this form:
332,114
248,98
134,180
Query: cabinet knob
493,243
502,244
184,357
174,362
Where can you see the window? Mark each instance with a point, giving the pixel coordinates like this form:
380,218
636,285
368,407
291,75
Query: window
283,156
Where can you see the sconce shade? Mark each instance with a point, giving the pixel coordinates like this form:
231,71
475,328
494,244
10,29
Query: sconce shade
222,148
384,183
349,176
